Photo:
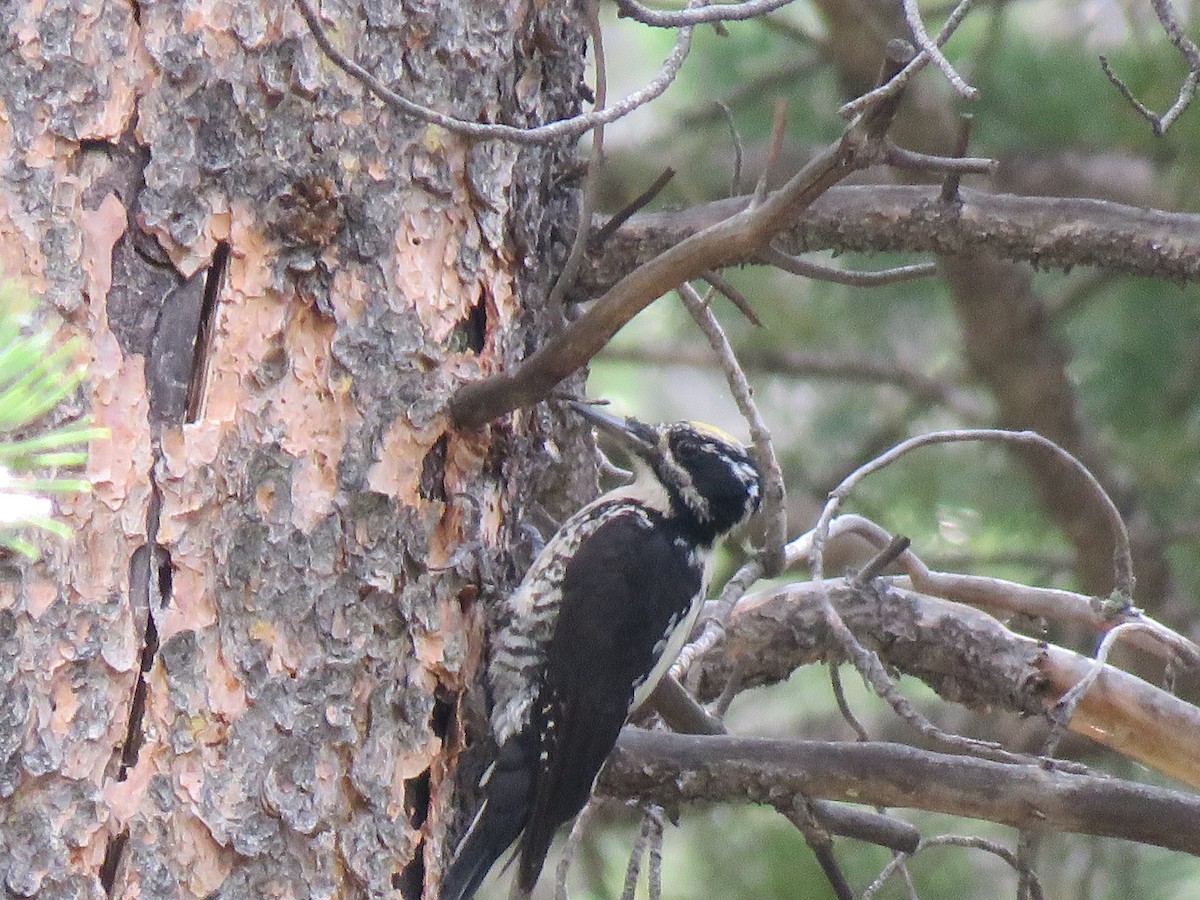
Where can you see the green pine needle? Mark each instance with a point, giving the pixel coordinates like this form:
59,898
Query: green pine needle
34,377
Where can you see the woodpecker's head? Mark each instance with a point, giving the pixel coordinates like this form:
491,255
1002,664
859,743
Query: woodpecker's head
705,474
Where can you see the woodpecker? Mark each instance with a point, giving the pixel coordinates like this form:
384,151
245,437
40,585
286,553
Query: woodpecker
598,619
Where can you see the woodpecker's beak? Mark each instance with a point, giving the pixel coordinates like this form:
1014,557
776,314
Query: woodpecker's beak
629,433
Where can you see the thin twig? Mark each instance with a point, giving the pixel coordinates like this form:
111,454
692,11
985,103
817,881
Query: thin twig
638,851
954,179
873,672
784,78
774,149
901,158
736,297
1123,557
574,839
714,12
654,814
732,686
1168,17
884,558
587,203
1064,709
898,82
622,216
773,510
739,152
717,613
563,129
954,840
821,844
818,272
1158,124
843,705
1028,887
912,15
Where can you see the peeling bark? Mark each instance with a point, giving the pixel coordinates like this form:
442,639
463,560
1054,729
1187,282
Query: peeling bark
244,674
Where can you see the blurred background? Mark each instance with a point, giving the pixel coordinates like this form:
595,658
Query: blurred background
1107,365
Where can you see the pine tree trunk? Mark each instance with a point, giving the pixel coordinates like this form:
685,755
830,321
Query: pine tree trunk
245,674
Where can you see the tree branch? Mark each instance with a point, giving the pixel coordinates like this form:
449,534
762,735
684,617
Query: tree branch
742,234
563,129
964,654
670,769
1048,232
714,12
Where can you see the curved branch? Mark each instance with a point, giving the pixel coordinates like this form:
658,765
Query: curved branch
713,12
563,129
745,232
962,653
741,234
1123,555
673,768
1049,232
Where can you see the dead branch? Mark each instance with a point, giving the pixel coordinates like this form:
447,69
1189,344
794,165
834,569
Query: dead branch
1000,597
774,507
962,653
932,49
685,716
1122,557
1049,232
670,769
900,80
1168,17
958,840
818,272
620,217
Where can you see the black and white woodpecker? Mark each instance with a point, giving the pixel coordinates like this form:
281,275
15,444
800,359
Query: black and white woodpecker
598,619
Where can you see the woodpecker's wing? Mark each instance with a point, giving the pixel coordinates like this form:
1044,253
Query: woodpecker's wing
627,588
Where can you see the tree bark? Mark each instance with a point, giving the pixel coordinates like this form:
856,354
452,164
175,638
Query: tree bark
245,673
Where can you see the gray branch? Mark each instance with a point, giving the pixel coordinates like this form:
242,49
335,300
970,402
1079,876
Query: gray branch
670,769
1049,232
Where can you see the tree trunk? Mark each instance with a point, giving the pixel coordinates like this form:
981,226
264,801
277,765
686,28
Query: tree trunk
245,673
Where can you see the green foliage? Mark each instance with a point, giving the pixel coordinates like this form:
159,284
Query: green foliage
34,377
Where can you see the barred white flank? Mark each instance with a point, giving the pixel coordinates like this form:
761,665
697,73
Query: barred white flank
519,648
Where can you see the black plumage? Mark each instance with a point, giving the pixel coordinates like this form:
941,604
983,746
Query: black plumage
599,617
623,593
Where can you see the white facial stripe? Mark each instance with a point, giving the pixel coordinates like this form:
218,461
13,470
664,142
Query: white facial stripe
682,479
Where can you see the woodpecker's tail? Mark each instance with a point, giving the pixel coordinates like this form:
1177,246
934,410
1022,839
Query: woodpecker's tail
507,789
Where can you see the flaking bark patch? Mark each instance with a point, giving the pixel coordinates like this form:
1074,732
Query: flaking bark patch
297,734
